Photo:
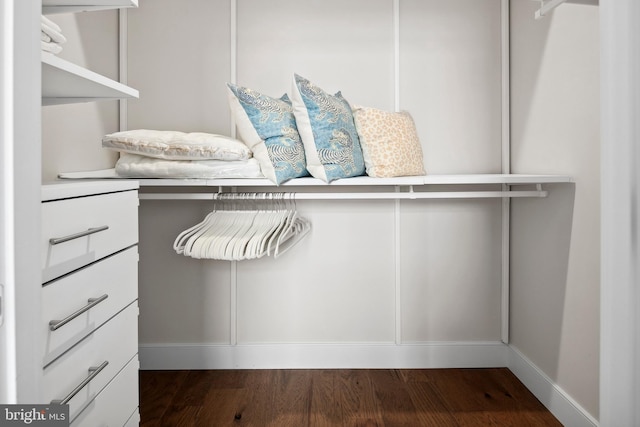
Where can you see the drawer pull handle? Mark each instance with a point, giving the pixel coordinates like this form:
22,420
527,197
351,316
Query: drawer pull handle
93,372
58,240
55,324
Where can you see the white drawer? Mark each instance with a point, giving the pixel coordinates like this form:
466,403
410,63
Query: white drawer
80,220
115,277
116,342
117,404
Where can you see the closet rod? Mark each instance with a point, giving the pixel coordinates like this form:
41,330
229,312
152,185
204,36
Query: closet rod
364,196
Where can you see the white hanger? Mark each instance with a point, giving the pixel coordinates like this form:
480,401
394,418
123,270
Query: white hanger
300,229
182,238
271,226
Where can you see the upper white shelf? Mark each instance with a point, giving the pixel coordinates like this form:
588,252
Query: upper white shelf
351,188
50,7
470,179
65,83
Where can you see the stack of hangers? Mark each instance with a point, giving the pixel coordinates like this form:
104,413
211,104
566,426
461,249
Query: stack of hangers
245,226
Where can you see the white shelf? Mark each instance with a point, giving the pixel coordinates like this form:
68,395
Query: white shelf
405,188
511,179
50,7
69,189
65,83
469,179
364,187
469,186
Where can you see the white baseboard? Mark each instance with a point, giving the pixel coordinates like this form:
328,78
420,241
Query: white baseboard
323,356
559,403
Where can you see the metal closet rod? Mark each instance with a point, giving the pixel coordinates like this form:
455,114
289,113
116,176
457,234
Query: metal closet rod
406,195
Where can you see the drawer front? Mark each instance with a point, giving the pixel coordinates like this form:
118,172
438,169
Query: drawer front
116,343
117,404
93,295
86,229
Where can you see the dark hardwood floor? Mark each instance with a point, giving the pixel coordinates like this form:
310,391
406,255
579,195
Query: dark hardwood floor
298,398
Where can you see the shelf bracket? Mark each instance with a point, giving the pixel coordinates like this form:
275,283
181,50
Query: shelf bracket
412,197
546,7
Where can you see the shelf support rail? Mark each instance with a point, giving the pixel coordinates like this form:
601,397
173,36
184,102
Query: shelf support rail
410,194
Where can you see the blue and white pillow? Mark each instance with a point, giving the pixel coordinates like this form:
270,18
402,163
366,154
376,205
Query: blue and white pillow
268,127
328,132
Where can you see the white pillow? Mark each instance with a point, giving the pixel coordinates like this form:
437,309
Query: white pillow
174,145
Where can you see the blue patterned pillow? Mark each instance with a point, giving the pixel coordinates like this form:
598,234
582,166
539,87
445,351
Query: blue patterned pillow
268,127
328,132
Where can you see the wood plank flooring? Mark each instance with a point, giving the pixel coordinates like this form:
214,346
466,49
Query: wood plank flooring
298,398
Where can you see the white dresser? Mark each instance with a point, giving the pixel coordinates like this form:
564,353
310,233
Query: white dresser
89,320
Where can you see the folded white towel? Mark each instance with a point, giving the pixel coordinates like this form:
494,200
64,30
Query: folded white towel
54,48
50,23
51,31
44,37
56,36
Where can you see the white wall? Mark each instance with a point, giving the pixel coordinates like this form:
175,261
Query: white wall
555,243
72,134
450,80
179,59
340,284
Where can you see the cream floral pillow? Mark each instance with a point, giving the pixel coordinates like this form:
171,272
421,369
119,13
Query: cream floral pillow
390,143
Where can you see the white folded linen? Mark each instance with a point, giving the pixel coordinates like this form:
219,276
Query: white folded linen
135,166
50,23
51,29
44,37
54,48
